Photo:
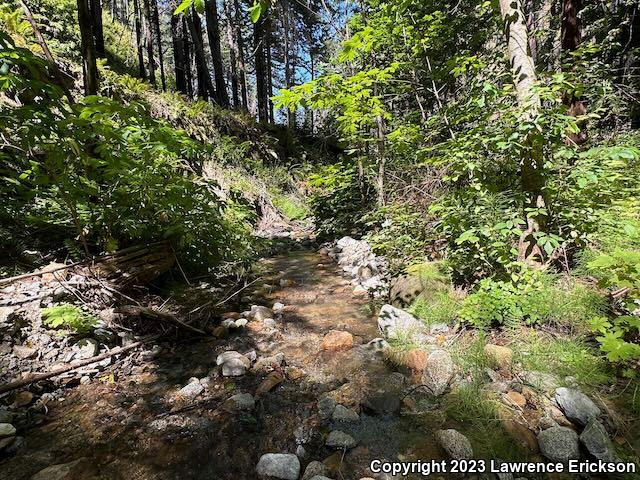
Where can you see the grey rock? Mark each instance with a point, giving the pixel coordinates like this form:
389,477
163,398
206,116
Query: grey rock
6,416
344,414
233,363
242,401
86,348
596,440
105,336
438,372
301,452
455,444
326,405
576,405
66,471
259,313
394,322
439,329
6,430
191,390
544,382
285,466
24,352
320,477
381,403
269,363
339,439
314,469
559,444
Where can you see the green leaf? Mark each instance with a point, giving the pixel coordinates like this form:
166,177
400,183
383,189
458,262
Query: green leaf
183,6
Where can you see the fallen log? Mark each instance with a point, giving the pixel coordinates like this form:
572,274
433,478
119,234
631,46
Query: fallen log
148,312
72,366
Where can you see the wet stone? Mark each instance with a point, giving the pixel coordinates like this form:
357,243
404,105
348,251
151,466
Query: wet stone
383,403
339,439
344,414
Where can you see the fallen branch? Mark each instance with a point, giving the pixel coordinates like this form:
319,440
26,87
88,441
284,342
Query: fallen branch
139,311
72,366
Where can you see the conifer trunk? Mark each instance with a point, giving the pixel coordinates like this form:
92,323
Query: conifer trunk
149,41
89,65
139,40
95,7
178,41
156,25
205,85
213,33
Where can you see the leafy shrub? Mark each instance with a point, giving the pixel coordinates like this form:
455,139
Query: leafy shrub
337,202
532,297
619,337
68,316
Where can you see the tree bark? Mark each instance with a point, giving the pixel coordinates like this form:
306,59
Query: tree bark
205,85
187,58
259,39
242,70
531,163
178,42
286,14
95,7
268,41
213,33
149,41
570,41
233,56
139,41
156,24
89,65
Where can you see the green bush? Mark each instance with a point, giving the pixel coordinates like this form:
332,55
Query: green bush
532,297
68,316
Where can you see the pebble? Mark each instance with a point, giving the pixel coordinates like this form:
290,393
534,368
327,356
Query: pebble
242,401
455,444
233,363
344,414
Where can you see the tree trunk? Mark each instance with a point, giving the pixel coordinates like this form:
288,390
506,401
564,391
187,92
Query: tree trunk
570,41
268,39
178,41
531,163
156,25
205,85
139,40
233,56
213,33
242,70
149,41
259,39
382,160
89,66
187,58
95,7
286,14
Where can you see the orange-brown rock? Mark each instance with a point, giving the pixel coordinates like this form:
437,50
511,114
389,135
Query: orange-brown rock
416,359
516,399
337,340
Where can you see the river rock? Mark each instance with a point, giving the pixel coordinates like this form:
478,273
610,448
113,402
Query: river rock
314,469
233,363
241,401
559,444
339,439
500,357
337,340
394,322
24,352
541,381
268,364
79,469
86,348
596,440
6,416
7,430
259,313
439,371
191,390
326,405
576,405
285,466
382,403
344,414
455,444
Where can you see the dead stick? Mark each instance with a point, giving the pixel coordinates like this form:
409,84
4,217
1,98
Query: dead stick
67,368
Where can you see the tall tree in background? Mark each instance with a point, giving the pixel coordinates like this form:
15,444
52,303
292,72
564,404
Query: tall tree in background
240,56
260,62
149,41
139,40
213,33
205,85
288,73
571,37
156,25
531,163
179,57
89,66
95,8
233,55
187,58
